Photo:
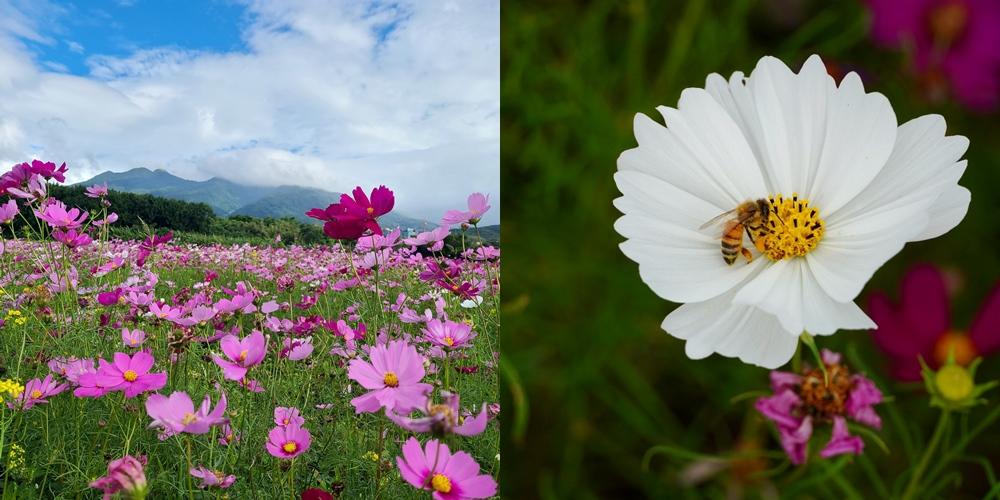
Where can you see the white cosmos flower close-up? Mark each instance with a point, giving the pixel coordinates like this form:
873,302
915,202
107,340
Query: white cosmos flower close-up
846,187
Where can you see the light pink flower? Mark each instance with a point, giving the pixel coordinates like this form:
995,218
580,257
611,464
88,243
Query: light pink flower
393,377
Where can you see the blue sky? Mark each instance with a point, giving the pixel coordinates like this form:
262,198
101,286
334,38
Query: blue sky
325,93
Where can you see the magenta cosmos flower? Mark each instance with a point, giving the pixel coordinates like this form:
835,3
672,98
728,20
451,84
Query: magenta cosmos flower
212,478
348,219
286,442
478,205
58,216
955,45
242,353
124,475
802,401
449,476
448,333
442,419
129,374
920,325
176,414
392,377
37,391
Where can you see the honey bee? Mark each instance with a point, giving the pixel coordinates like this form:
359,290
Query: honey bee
748,216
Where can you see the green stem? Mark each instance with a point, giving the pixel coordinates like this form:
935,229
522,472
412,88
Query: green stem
810,342
939,431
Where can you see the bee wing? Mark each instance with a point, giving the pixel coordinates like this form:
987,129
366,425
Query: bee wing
718,218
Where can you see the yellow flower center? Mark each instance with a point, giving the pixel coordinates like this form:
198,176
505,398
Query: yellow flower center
130,375
450,341
188,418
955,342
35,394
793,229
243,355
285,421
954,382
390,380
290,447
370,210
441,483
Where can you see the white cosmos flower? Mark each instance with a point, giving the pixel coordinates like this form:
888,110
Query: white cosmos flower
874,187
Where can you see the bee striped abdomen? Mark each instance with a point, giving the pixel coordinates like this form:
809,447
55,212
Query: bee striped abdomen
732,241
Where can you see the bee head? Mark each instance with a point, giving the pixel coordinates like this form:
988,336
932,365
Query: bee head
764,207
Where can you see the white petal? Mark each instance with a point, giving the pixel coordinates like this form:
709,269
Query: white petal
744,332
860,134
946,213
711,138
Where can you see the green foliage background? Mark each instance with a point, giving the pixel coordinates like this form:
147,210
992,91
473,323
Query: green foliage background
591,381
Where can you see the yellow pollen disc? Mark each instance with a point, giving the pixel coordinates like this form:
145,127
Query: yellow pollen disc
954,382
188,418
793,229
35,394
450,341
243,355
370,210
441,483
390,380
290,447
955,342
285,421
130,375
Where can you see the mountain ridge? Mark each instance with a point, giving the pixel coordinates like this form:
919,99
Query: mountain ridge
230,198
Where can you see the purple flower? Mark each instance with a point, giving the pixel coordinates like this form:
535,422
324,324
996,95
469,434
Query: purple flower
296,349
434,238
176,414
449,476
242,353
448,334
57,216
71,238
283,417
478,205
124,475
8,211
97,191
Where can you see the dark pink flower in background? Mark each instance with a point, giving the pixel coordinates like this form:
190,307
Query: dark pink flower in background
449,476
800,402
71,238
126,475
57,215
352,216
954,45
920,325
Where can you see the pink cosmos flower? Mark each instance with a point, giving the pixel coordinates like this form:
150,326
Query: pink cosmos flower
296,349
72,238
162,310
392,377
955,45
448,476
449,334
284,417
434,238
801,401
478,205
228,436
348,219
288,442
442,419
37,189
37,391
176,414
242,353
124,475
110,219
920,325
128,374
151,243
56,215
97,191
8,211
378,242
212,478
242,302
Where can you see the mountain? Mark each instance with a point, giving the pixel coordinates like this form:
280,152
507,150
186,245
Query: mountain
229,198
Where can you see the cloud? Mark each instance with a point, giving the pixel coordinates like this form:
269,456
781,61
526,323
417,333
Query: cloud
322,94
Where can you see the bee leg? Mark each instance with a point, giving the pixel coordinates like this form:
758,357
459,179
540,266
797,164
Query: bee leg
746,253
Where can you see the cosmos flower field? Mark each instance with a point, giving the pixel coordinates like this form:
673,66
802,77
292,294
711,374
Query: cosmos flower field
362,368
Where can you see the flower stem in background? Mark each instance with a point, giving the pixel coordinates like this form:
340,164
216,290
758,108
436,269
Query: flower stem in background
811,343
914,483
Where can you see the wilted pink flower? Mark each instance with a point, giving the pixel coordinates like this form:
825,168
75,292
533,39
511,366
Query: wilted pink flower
288,441
37,391
393,378
212,478
56,215
8,211
442,419
242,353
802,401
283,417
97,191
296,349
449,476
449,334
176,414
125,475
129,374
478,205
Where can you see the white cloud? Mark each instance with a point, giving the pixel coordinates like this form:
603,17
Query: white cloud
325,94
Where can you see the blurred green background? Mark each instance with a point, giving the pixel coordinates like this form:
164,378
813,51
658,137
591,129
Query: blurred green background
591,382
